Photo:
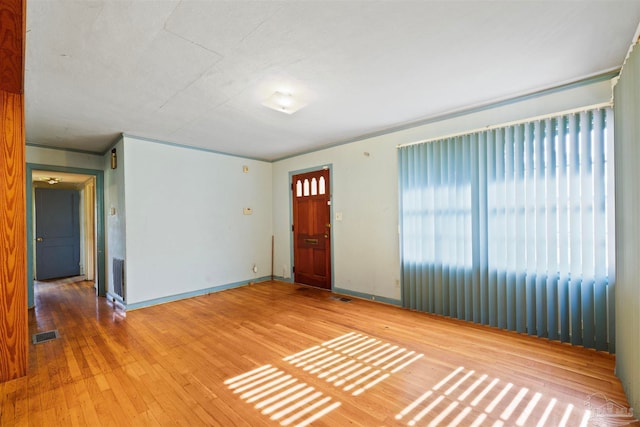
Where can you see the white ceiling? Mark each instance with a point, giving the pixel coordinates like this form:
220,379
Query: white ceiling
196,72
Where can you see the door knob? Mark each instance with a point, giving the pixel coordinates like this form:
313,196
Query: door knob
39,239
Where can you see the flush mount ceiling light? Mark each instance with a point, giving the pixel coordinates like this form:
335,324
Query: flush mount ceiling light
283,102
52,181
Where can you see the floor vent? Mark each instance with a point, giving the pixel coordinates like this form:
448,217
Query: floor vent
45,336
341,299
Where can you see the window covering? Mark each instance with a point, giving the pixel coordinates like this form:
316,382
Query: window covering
508,227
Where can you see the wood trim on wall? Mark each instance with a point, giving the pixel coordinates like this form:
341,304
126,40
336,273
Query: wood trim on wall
13,268
90,229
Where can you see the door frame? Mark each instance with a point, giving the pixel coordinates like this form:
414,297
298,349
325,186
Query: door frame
99,206
329,167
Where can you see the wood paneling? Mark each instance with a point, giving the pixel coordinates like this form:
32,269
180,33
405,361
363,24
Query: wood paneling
172,364
12,33
13,276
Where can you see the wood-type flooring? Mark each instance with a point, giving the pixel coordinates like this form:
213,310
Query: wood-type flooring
275,353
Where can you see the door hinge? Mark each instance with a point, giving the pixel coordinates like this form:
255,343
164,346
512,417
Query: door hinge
293,269
291,227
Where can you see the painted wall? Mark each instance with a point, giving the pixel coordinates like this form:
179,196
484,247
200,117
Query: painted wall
56,157
185,227
365,191
114,211
627,158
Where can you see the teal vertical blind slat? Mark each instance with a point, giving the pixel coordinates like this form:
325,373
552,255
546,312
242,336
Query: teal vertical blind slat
438,201
521,228
587,206
455,203
563,203
575,221
511,223
508,227
448,228
552,231
481,311
540,209
499,228
493,291
600,234
529,235
405,280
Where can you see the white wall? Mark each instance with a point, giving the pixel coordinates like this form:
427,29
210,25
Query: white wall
185,227
365,190
55,157
627,158
115,211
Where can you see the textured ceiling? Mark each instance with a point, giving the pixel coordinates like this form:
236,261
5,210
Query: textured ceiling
196,72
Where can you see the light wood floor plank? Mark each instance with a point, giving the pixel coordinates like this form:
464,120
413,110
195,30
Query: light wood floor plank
228,359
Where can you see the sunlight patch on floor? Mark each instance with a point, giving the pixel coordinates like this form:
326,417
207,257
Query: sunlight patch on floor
465,398
353,363
278,395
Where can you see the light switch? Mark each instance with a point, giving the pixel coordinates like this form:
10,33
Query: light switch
338,216
112,211
247,211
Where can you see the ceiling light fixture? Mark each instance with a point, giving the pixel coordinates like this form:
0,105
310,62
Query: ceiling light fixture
53,181
283,102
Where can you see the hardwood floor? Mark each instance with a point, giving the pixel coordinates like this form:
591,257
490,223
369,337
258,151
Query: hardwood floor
281,354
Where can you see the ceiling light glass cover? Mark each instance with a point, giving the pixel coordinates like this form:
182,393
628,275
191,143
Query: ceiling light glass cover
283,102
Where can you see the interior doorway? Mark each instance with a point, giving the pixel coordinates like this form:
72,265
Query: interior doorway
57,225
88,185
311,228
64,223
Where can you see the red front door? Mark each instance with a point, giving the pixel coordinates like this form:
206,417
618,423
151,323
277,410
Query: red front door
312,228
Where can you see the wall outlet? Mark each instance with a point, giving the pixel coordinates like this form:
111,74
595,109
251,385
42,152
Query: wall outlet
247,211
397,283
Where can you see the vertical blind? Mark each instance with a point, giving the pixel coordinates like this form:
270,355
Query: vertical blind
508,227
